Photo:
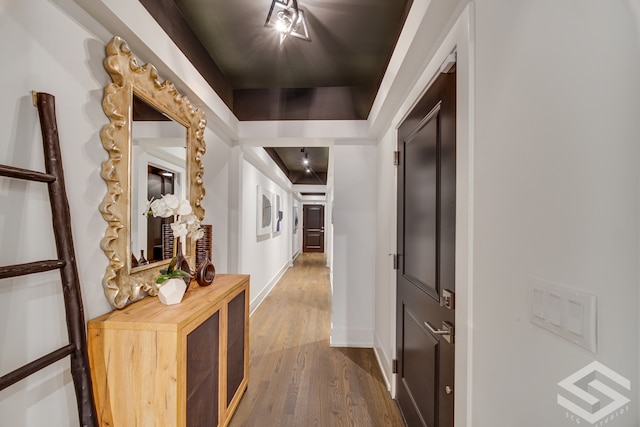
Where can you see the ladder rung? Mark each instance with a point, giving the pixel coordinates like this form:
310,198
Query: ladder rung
30,368
30,268
27,174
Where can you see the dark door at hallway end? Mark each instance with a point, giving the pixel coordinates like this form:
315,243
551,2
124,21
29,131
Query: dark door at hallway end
313,228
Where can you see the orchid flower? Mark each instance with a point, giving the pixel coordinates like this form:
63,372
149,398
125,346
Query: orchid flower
185,222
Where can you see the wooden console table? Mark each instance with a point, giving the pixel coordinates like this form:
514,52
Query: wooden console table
181,365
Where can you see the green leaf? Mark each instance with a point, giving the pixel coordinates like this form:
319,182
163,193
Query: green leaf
163,278
180,273
172,264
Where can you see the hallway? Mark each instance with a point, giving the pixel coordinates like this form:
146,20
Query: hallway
295,378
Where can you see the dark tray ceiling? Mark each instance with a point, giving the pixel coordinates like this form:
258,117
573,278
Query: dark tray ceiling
334,76
291,161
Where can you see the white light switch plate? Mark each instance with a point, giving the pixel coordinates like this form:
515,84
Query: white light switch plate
566,312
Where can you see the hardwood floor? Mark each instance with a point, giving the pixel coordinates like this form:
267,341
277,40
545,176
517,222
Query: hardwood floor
295,378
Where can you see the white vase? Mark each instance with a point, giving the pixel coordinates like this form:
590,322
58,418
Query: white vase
172,291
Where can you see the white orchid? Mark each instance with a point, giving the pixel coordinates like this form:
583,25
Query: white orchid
185,222
179,229
193,227
189,219
159,208
172,201
198,234
184,208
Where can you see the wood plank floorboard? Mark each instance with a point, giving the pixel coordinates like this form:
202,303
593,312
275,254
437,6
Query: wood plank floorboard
295,378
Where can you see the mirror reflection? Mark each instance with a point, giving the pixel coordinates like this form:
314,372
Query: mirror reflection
159,167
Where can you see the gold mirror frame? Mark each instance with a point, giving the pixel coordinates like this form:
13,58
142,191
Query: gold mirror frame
121,285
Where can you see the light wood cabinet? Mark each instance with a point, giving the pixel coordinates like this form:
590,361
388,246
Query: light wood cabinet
183,365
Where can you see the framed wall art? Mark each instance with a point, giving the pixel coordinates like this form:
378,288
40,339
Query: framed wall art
296,221
277,214
264,212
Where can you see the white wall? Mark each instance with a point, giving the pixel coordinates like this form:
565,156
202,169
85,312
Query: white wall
296,237
556,196
265,258
328,232
45,50
221,189
352,317
56,47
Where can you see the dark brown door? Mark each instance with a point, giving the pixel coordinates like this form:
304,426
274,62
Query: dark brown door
426,237
313,228
159,183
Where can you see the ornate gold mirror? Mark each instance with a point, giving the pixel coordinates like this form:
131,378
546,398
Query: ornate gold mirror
158,154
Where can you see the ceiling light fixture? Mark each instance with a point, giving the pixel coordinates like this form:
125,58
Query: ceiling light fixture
288,19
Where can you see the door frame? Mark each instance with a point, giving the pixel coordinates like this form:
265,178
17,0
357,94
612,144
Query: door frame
460,40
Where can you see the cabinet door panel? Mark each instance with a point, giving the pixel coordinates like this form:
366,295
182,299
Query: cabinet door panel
235,350
203,346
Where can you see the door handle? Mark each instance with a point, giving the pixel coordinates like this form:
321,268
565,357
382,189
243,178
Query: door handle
447,331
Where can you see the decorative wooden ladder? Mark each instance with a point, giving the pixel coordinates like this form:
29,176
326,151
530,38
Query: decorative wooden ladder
77,347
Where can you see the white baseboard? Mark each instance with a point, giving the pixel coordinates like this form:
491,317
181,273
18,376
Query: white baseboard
359,338
293,258
255,303
383,361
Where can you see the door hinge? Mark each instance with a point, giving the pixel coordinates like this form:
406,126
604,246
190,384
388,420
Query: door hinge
396,265
394,366
396,158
